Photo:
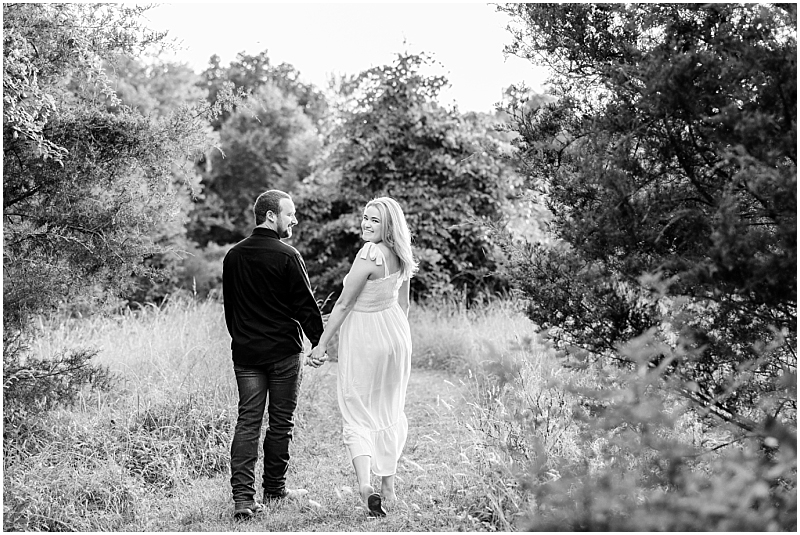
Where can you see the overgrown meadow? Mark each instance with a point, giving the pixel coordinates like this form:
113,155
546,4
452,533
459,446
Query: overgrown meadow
498,434
641,212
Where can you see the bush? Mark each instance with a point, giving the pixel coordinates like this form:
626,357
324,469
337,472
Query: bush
32,385
88,183
586,450
672,187
674,204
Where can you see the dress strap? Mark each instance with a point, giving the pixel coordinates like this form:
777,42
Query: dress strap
374,253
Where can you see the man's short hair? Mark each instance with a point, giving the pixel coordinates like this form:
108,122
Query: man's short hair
269,201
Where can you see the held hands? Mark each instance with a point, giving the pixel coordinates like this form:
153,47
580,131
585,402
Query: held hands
317,357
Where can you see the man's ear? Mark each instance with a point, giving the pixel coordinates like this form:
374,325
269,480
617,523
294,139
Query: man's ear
273,216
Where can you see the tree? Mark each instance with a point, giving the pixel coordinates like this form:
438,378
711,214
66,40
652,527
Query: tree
85,178
155,87
267,143
446,170
248,73
669,163
158,89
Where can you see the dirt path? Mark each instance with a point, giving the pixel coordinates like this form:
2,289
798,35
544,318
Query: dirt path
432,483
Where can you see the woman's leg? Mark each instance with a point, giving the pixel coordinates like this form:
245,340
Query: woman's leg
387,487
361,465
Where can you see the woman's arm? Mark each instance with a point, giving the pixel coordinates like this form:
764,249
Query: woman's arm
356,279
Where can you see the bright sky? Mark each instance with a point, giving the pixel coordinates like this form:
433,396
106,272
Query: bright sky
319,39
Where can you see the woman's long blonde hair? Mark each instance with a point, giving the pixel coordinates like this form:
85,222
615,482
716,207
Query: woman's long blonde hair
395,233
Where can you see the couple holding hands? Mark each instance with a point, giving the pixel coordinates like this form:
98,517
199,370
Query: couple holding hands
269,305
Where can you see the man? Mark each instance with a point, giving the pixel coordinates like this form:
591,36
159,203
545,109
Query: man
268,305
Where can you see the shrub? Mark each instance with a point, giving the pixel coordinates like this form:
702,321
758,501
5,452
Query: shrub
674,203
584,449
672,185
32,385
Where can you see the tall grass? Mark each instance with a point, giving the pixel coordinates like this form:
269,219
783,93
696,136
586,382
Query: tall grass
585,448
113,461
166,420
177,349
502,437
511,382
454,336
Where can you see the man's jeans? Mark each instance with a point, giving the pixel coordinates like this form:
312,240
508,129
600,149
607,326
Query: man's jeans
282,380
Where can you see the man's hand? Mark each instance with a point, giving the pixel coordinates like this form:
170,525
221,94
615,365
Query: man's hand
317,357
314,363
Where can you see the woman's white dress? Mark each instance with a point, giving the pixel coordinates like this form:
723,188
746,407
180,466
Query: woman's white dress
374,367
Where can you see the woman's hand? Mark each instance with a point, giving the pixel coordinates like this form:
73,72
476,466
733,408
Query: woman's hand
317,357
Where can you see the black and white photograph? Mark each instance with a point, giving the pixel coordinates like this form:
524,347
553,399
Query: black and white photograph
399,267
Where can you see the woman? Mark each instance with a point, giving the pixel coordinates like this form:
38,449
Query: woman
374,349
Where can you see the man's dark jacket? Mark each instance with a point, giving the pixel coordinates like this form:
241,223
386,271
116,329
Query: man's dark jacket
268,300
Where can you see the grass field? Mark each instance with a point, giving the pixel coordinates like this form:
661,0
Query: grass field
152,453
502,437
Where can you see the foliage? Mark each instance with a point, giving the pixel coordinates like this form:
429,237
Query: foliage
668,161
45,44
155,87
610,450
249,73
671,151
713,479
50,218
86,179
650,476
446,170
35,385
267,143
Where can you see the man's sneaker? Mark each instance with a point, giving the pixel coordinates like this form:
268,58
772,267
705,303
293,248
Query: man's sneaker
246,510
287,494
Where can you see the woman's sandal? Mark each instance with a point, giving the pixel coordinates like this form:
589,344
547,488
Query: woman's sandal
375,507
